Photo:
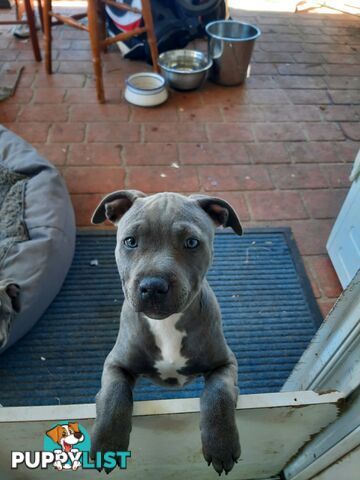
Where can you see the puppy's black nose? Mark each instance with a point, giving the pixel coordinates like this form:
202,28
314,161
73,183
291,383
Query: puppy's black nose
151,287
77,435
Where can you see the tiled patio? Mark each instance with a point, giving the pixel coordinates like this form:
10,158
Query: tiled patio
279,148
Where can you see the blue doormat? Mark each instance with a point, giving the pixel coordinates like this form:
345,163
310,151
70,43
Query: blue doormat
269,317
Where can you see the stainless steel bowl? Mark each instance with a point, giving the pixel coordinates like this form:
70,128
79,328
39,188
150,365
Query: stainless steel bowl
184,69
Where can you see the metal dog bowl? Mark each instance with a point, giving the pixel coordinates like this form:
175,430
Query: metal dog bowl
230,46
184,69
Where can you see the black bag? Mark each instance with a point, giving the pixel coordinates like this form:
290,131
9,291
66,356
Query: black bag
202,8
176,23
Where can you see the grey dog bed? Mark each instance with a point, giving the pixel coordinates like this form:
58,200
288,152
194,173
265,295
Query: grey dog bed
37,231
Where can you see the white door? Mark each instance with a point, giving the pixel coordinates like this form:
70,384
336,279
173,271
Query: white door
332,361
343,245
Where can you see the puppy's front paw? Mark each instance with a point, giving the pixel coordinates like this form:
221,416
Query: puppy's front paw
221,447
108,441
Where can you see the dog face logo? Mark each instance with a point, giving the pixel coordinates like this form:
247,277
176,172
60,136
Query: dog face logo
66,435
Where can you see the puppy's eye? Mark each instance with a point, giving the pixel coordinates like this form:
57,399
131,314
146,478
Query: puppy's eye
191,242
130,242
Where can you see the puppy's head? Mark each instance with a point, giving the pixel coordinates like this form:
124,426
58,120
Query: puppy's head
9,306
164,245
66,435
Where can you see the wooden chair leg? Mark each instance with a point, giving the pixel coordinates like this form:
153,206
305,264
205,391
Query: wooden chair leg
40,11
32,27
96,48
47,35
17,13
100,6
19,9
148,21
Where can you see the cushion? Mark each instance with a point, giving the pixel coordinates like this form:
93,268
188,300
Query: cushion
37,238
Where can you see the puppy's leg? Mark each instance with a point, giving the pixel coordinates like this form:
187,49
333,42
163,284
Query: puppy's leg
219,434
114,405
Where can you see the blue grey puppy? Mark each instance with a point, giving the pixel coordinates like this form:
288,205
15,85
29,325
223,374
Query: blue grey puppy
9,306
170,324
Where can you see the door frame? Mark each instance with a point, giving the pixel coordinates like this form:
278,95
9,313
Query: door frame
331,362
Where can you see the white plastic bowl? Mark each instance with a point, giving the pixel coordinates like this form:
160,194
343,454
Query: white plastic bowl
146,89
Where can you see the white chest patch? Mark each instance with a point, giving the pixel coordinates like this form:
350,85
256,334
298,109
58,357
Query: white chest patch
169,340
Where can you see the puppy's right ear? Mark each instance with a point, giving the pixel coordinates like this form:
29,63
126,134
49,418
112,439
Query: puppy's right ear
115,205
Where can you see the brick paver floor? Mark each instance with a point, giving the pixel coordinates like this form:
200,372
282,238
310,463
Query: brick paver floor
279,148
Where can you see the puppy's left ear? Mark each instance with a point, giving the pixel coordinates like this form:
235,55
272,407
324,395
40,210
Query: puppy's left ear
54,433
13,291
220,211
115,205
